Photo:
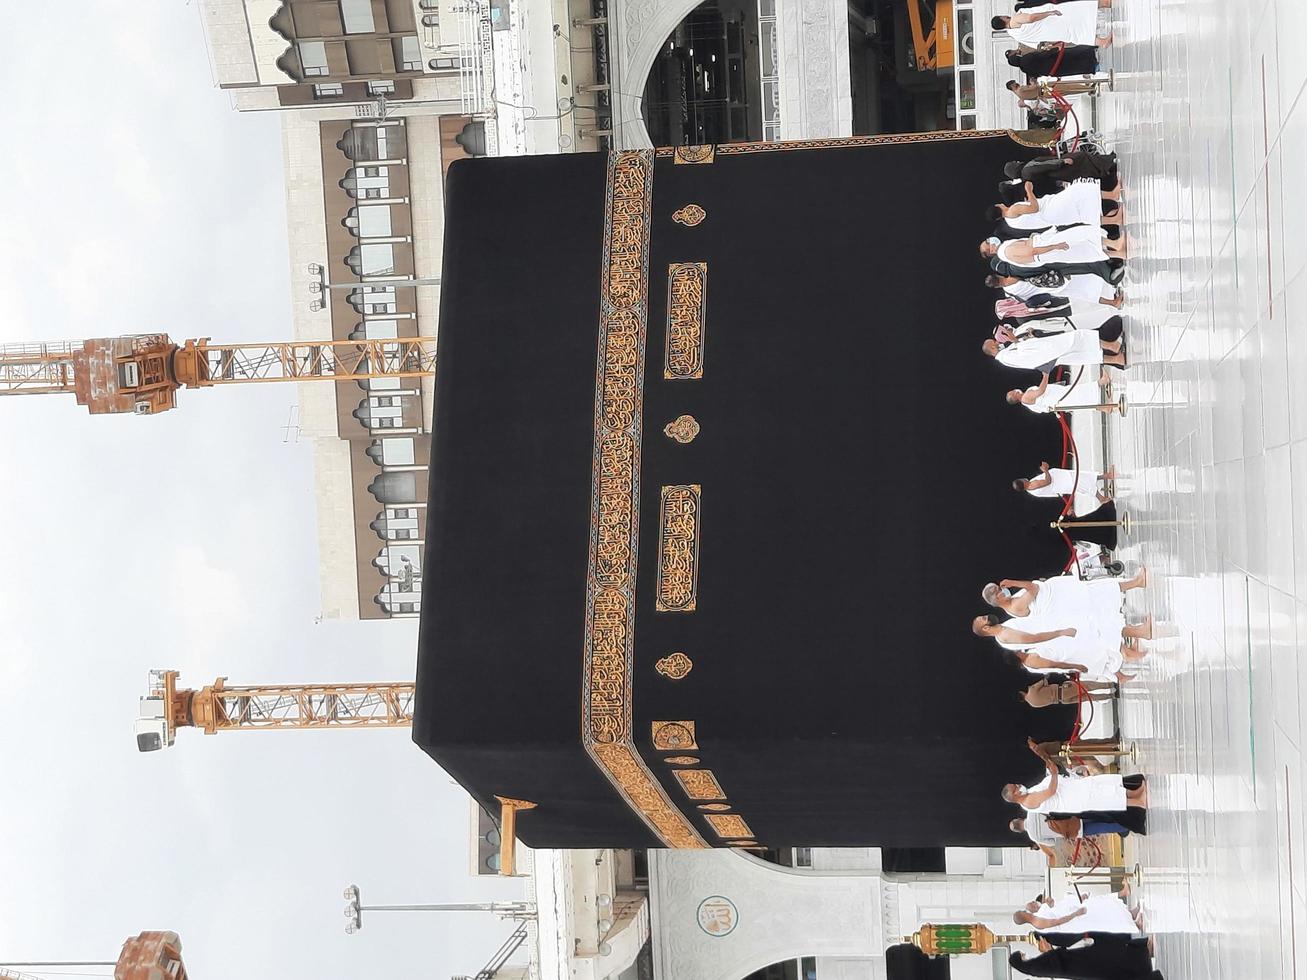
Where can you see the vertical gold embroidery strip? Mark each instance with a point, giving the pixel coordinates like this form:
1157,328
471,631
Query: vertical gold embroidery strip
608,658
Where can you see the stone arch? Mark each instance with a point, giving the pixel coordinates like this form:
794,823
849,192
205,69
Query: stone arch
779,913
814,54
644,26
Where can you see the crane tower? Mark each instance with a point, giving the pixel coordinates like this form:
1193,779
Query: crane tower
141,373
219,708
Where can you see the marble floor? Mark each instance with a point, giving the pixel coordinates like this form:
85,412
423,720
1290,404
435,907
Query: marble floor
1209,117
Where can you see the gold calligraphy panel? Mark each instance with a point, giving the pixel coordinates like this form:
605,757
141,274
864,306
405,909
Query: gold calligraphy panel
610,583
671,736
729,825
687,295
698,153
678,549
699,784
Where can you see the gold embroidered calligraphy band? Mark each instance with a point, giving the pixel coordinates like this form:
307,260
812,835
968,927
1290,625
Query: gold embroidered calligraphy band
687,296
678,549
608,654
708,153
700,784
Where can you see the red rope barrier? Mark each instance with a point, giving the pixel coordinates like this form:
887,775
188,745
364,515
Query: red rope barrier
1057,62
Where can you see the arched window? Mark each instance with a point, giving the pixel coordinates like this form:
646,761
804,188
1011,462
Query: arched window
368,221
381,412
366,182
402,562
371,260
374,142
374,300
395,487
396,451
374,330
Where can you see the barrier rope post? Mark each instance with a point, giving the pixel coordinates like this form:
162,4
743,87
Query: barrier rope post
1062,525
1120,405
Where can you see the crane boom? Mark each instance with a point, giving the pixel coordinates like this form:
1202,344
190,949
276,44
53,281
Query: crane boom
219,708
334,360
142,374
36,369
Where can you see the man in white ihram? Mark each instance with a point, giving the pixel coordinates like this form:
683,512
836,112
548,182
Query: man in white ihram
1074,23
1082,487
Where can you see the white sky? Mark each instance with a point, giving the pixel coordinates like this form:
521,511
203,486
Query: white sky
138,200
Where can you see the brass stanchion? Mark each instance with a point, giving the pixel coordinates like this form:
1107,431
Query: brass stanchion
1062,524
1120,406
1111,749
1106,875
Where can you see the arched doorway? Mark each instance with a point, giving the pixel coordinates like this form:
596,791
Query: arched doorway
706,85
800,969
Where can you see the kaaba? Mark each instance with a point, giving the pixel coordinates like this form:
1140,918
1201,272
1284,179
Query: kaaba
718,472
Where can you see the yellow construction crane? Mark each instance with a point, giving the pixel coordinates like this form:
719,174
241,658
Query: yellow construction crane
280,707
141,373
276,707
932,50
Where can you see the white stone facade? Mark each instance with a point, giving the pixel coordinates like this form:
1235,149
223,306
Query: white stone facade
720,915
816,98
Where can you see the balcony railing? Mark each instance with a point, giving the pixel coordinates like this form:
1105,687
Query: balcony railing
475,55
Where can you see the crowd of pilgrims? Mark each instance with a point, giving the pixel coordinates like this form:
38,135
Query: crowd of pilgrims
1057,259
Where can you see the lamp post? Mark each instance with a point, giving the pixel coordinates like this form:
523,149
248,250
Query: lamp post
354,909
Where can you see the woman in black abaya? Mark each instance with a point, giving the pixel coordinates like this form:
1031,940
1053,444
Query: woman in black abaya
1105,956
1075,59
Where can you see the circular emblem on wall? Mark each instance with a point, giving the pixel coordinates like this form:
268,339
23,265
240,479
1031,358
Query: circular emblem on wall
718,916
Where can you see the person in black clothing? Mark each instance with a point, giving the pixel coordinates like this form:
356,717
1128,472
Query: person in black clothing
1027,4
1071,166
1055,60
1112,271
1093,956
